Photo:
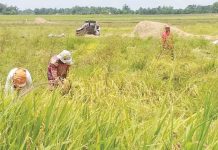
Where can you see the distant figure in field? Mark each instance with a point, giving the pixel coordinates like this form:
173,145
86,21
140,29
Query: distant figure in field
58,69
19,80
167,40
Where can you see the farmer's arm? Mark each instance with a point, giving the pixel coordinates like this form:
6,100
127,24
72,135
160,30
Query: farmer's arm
163,40
68,69
8,84
54,71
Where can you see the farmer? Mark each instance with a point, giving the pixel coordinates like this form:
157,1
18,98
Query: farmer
167,40
58,68
19,80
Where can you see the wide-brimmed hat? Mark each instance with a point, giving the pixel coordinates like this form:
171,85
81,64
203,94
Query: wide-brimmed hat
19,78
65,57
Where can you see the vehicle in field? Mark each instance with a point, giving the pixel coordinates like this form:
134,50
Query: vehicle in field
89,27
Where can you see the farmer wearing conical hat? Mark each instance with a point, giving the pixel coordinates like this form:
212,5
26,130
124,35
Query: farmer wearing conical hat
58,68
167,40
19,79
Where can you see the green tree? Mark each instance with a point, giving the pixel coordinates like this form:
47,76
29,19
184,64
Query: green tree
126,9
215,7
2,7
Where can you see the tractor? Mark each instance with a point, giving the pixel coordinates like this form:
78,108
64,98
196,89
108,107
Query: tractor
89,27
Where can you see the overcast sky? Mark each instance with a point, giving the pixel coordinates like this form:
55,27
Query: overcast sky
134,4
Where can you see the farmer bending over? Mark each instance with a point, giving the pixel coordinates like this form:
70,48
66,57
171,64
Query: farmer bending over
58,68
167,41
19,80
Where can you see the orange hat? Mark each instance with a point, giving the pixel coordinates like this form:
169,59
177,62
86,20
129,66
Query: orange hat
19,78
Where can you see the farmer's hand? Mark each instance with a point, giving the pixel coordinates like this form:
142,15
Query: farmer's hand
65,86
57,81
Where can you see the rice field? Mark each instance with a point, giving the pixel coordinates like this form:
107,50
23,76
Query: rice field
123,95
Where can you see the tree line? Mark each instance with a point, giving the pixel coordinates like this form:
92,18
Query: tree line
190,9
